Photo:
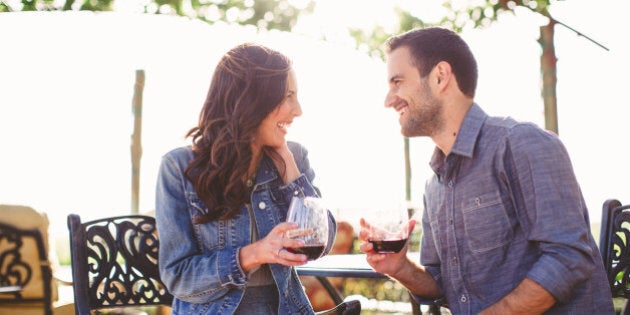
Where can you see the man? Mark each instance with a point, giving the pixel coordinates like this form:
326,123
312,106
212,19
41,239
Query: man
505,226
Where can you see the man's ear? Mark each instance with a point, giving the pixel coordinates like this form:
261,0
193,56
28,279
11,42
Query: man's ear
443,71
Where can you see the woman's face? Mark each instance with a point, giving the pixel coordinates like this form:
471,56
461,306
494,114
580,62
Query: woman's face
272,130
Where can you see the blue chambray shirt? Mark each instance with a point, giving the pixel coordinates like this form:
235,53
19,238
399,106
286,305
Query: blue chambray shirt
505,205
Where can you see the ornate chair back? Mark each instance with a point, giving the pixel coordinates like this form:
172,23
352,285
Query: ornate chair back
115,263
24,269
614,245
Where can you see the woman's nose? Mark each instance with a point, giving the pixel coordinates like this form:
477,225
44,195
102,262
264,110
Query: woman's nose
297,110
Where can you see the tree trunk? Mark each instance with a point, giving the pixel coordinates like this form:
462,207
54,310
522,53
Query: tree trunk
548,70
136,139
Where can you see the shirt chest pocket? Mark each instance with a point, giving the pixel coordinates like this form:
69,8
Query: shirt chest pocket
209,235
486,223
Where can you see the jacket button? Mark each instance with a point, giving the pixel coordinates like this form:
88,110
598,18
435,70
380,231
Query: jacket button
262,205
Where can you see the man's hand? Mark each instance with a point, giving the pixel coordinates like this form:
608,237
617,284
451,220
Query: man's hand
388,263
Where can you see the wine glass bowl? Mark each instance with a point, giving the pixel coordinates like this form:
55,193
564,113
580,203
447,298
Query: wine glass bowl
388,229
312,219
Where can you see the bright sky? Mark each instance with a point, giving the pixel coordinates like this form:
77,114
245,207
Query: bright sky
67,79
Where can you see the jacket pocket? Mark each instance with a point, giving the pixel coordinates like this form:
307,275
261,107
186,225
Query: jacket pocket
210,235
485,222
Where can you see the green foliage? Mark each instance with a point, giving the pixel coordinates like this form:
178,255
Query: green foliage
476,14
486,12
264,14
371,41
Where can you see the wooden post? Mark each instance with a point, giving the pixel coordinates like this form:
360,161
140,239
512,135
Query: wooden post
136,141
548,70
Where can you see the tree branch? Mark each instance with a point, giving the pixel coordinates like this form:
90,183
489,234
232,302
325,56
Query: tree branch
546,14
580,34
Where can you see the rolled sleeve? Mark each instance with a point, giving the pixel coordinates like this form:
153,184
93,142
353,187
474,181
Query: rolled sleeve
555,277
556,212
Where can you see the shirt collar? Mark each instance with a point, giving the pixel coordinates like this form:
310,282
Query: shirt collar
469,131
466,139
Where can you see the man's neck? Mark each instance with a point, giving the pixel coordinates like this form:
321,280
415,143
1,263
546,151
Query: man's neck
454,115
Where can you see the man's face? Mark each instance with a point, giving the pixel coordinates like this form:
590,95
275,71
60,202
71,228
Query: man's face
412,96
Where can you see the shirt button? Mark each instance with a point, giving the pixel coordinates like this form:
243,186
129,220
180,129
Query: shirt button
463,299
450,184
262,205
295,193
454,260
450,221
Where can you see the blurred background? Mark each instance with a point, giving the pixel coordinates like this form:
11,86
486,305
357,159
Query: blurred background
68,73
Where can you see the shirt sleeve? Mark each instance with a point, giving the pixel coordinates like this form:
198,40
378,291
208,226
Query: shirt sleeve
188,273
429,257
542,178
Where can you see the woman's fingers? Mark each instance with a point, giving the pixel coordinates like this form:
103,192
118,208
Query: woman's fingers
287,258
283,227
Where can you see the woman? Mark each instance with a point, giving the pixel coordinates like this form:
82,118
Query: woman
222,202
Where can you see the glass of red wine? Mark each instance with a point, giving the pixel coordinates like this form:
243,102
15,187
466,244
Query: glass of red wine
388,229
312,218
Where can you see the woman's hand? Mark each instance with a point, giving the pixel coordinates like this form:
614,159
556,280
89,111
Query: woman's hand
384,263
272,249
291,170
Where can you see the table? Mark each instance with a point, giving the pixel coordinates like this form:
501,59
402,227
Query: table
344,266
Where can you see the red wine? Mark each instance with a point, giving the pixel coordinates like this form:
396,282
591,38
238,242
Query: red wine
311,251
388,246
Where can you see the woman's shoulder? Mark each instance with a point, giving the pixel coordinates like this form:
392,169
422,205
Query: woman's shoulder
183,153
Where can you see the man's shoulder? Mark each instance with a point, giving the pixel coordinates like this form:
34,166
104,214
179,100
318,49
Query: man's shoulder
515,128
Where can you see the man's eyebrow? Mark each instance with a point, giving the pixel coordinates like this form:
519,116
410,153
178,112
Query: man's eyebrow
394,77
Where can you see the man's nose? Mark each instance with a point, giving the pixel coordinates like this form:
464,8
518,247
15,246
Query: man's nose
390,100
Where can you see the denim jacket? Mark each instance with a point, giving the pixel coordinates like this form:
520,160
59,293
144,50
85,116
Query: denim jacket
199,263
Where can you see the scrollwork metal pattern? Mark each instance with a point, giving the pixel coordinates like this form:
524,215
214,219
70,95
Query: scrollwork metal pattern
122,256
620,255
13,270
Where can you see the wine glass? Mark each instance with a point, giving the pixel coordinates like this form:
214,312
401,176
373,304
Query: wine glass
388,228
312,219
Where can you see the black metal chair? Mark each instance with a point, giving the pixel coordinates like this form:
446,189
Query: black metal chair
18,271
352,307
614,245
115,264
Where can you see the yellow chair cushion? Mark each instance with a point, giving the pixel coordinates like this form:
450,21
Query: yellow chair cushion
23,217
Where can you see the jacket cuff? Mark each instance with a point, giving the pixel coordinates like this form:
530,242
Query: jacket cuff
230,269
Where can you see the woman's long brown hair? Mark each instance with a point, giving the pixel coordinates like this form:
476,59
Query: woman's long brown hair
249,82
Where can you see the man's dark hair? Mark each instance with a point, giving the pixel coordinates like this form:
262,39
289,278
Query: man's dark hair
429,46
